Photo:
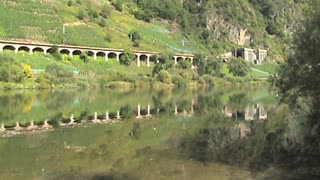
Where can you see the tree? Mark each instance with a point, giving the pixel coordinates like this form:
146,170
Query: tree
105,11
84,57
299,78
164,62
80,14
127,58
59,71
239,67
54,51
118,4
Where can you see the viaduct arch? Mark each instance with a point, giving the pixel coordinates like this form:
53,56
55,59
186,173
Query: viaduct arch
94,52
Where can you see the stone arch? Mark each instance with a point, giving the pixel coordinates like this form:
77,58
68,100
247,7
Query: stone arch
180,59
76,52
24,48
101,54
65,51
143,57
90,53
9,48
38,49
112,55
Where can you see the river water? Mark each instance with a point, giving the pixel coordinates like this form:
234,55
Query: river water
220,133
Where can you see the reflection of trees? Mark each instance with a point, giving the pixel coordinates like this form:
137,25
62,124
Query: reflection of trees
286,144
14,103
207,103
238,101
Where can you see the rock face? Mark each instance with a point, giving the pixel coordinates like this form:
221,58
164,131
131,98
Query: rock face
226,31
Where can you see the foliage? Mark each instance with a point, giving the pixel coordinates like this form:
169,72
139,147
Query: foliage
164,77
27,70
127,57
238,67
102,23
84,57
179,81
54,51
209,66
209,80
118,4
59,71
298,79
10,70
80,15
134,37
164,62
105,11
185,64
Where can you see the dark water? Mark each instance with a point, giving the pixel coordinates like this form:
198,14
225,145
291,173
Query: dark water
229,133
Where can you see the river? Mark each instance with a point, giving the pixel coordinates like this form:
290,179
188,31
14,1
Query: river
219,133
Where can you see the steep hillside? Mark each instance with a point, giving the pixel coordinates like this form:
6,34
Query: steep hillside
84,22
210,26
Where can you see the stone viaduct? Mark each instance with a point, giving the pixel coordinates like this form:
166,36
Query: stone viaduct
94,52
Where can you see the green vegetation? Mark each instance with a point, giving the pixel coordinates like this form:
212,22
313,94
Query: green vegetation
298,79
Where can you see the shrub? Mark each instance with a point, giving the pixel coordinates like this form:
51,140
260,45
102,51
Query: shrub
238,67
209,80
127,57
118,4
102,23
105,11
59,71
164,77
80,15
179,81
185,64
27,70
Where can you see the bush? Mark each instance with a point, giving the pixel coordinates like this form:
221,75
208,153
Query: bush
209,80
59,71
105,11
179,81
80,15
164,77
127,57
185,64
118,4
238,67
102,23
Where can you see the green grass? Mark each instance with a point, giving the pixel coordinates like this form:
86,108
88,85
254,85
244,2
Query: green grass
270,68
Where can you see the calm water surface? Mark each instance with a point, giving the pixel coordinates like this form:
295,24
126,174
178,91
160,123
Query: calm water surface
221,133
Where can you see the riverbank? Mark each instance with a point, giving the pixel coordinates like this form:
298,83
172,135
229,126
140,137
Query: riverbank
39,71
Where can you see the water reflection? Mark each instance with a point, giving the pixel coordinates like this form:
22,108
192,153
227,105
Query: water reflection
172,133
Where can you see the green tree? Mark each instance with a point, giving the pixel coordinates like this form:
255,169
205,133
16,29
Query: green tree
59,71
164,62
239,67
105,11
80,15
127,57
84,57
54,51
299,78
118,4
164,77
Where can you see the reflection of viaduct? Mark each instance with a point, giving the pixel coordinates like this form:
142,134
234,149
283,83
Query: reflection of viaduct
78,50
257,111
7,131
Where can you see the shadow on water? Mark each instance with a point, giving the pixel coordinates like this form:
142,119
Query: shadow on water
281,147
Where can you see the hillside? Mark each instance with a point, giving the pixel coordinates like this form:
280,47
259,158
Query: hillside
211,26
101,25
